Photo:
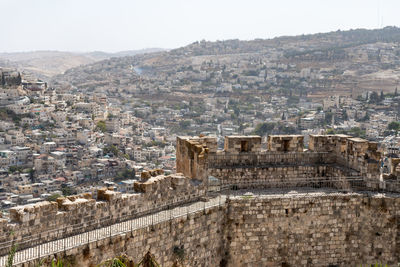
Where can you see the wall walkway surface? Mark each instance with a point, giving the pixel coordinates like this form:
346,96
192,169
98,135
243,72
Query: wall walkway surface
328,205
318,227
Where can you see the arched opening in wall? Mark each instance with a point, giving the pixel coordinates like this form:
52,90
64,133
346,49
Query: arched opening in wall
244,146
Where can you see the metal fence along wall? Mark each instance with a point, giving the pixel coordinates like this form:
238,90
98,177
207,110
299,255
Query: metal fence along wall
35,247
75,229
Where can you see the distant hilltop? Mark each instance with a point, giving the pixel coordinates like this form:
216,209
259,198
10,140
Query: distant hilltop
45,64
344,62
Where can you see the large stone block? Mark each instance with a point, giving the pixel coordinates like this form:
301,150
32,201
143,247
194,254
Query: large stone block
107,194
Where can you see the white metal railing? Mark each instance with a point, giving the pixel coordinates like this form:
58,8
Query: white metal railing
74,229
63,244
37,246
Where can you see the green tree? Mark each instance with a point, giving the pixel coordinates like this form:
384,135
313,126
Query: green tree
101,126
330,131
67,191
184,124
113,149
345,116
32,175
328,117
287,129
120,261
53,197
264,128
374,98
394,126
125,174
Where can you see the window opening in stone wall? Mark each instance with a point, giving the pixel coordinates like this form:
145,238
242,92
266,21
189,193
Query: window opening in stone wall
244,146
286,145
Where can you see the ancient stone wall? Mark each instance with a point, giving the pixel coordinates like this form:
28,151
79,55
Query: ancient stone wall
317,229
243,162
239,144
356,153
331,230
191,156
280,176
197,237
286,143
75,214
266,158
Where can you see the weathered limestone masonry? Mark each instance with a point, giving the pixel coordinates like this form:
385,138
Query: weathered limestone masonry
74,214
198,236
285,143
238,144
284,230
192,155
355,153
270,230
328,230
243,163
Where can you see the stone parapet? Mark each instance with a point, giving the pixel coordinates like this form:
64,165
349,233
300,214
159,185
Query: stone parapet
295,229
191,156
286,143
242,164
50,220
240,144
355,153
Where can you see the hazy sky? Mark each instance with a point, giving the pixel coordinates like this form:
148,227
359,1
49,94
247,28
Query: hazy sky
115,25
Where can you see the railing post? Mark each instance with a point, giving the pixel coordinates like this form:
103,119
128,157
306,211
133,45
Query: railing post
39,247
65,238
